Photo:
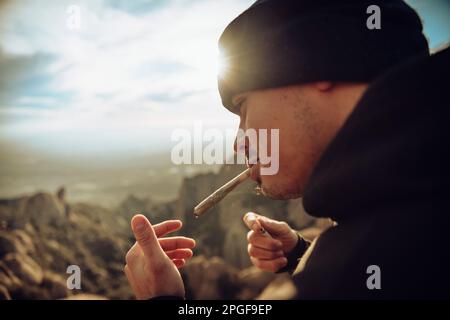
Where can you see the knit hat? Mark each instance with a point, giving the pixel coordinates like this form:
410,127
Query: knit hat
278,43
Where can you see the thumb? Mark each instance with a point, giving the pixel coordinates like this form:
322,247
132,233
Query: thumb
251,220
145,235
274,227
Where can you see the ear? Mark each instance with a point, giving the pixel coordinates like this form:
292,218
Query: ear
324,85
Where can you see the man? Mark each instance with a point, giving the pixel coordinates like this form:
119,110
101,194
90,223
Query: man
362,115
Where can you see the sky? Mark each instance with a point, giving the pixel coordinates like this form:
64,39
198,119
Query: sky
133,72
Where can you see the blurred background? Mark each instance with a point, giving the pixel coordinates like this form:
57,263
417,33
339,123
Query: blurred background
90,93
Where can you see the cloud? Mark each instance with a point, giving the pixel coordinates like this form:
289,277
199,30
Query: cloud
139,66
137,7
22,75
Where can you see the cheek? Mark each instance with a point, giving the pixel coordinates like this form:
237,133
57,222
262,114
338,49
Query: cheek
261,113
293,165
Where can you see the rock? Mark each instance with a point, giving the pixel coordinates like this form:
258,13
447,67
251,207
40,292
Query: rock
7,244
4,294
61,194
17,241
11,213
39,244
8,279
282,288
210,279
24,268
256,277
85,296
253,281
55,285
25,242
235,248
45,209
132,205
39,209
38,241
105,248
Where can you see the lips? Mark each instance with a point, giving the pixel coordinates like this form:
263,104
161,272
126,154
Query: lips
254,174
254,164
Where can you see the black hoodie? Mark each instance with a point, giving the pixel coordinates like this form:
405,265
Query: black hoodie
384,179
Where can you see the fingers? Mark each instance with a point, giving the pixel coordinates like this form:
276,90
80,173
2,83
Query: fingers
179,263
269,265
178,249
258,240
275,228
145,235
169,226
172,243
179,254
251,221
178,257
257,223
264,254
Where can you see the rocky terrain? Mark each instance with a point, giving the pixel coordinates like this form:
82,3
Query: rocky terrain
43,233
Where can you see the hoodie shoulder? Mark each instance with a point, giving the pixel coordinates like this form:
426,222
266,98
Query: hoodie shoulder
392,148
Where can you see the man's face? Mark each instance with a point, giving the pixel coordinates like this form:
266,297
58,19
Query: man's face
307,119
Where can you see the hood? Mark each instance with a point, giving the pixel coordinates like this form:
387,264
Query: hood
392,150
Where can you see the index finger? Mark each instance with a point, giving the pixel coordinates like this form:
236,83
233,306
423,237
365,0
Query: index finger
165,227
172,243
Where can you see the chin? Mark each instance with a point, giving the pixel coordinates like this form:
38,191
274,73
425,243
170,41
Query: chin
281,186
278,193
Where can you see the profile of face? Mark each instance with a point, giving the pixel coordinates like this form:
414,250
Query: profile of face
307,116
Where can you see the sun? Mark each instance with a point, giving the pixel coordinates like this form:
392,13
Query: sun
221,64
207,64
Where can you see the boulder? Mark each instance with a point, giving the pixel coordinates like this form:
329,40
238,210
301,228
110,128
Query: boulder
86,296
8,278
25,268
4,294
7,244
210,279
45,209
235,246
25,241
55,285
253,281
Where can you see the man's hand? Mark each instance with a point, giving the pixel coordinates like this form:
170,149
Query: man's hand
152,262
268,250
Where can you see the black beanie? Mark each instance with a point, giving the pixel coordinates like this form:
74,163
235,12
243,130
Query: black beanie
277,43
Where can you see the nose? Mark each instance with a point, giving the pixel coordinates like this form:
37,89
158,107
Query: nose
238,133
241,144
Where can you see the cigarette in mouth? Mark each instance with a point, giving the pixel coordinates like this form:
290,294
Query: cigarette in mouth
220,193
